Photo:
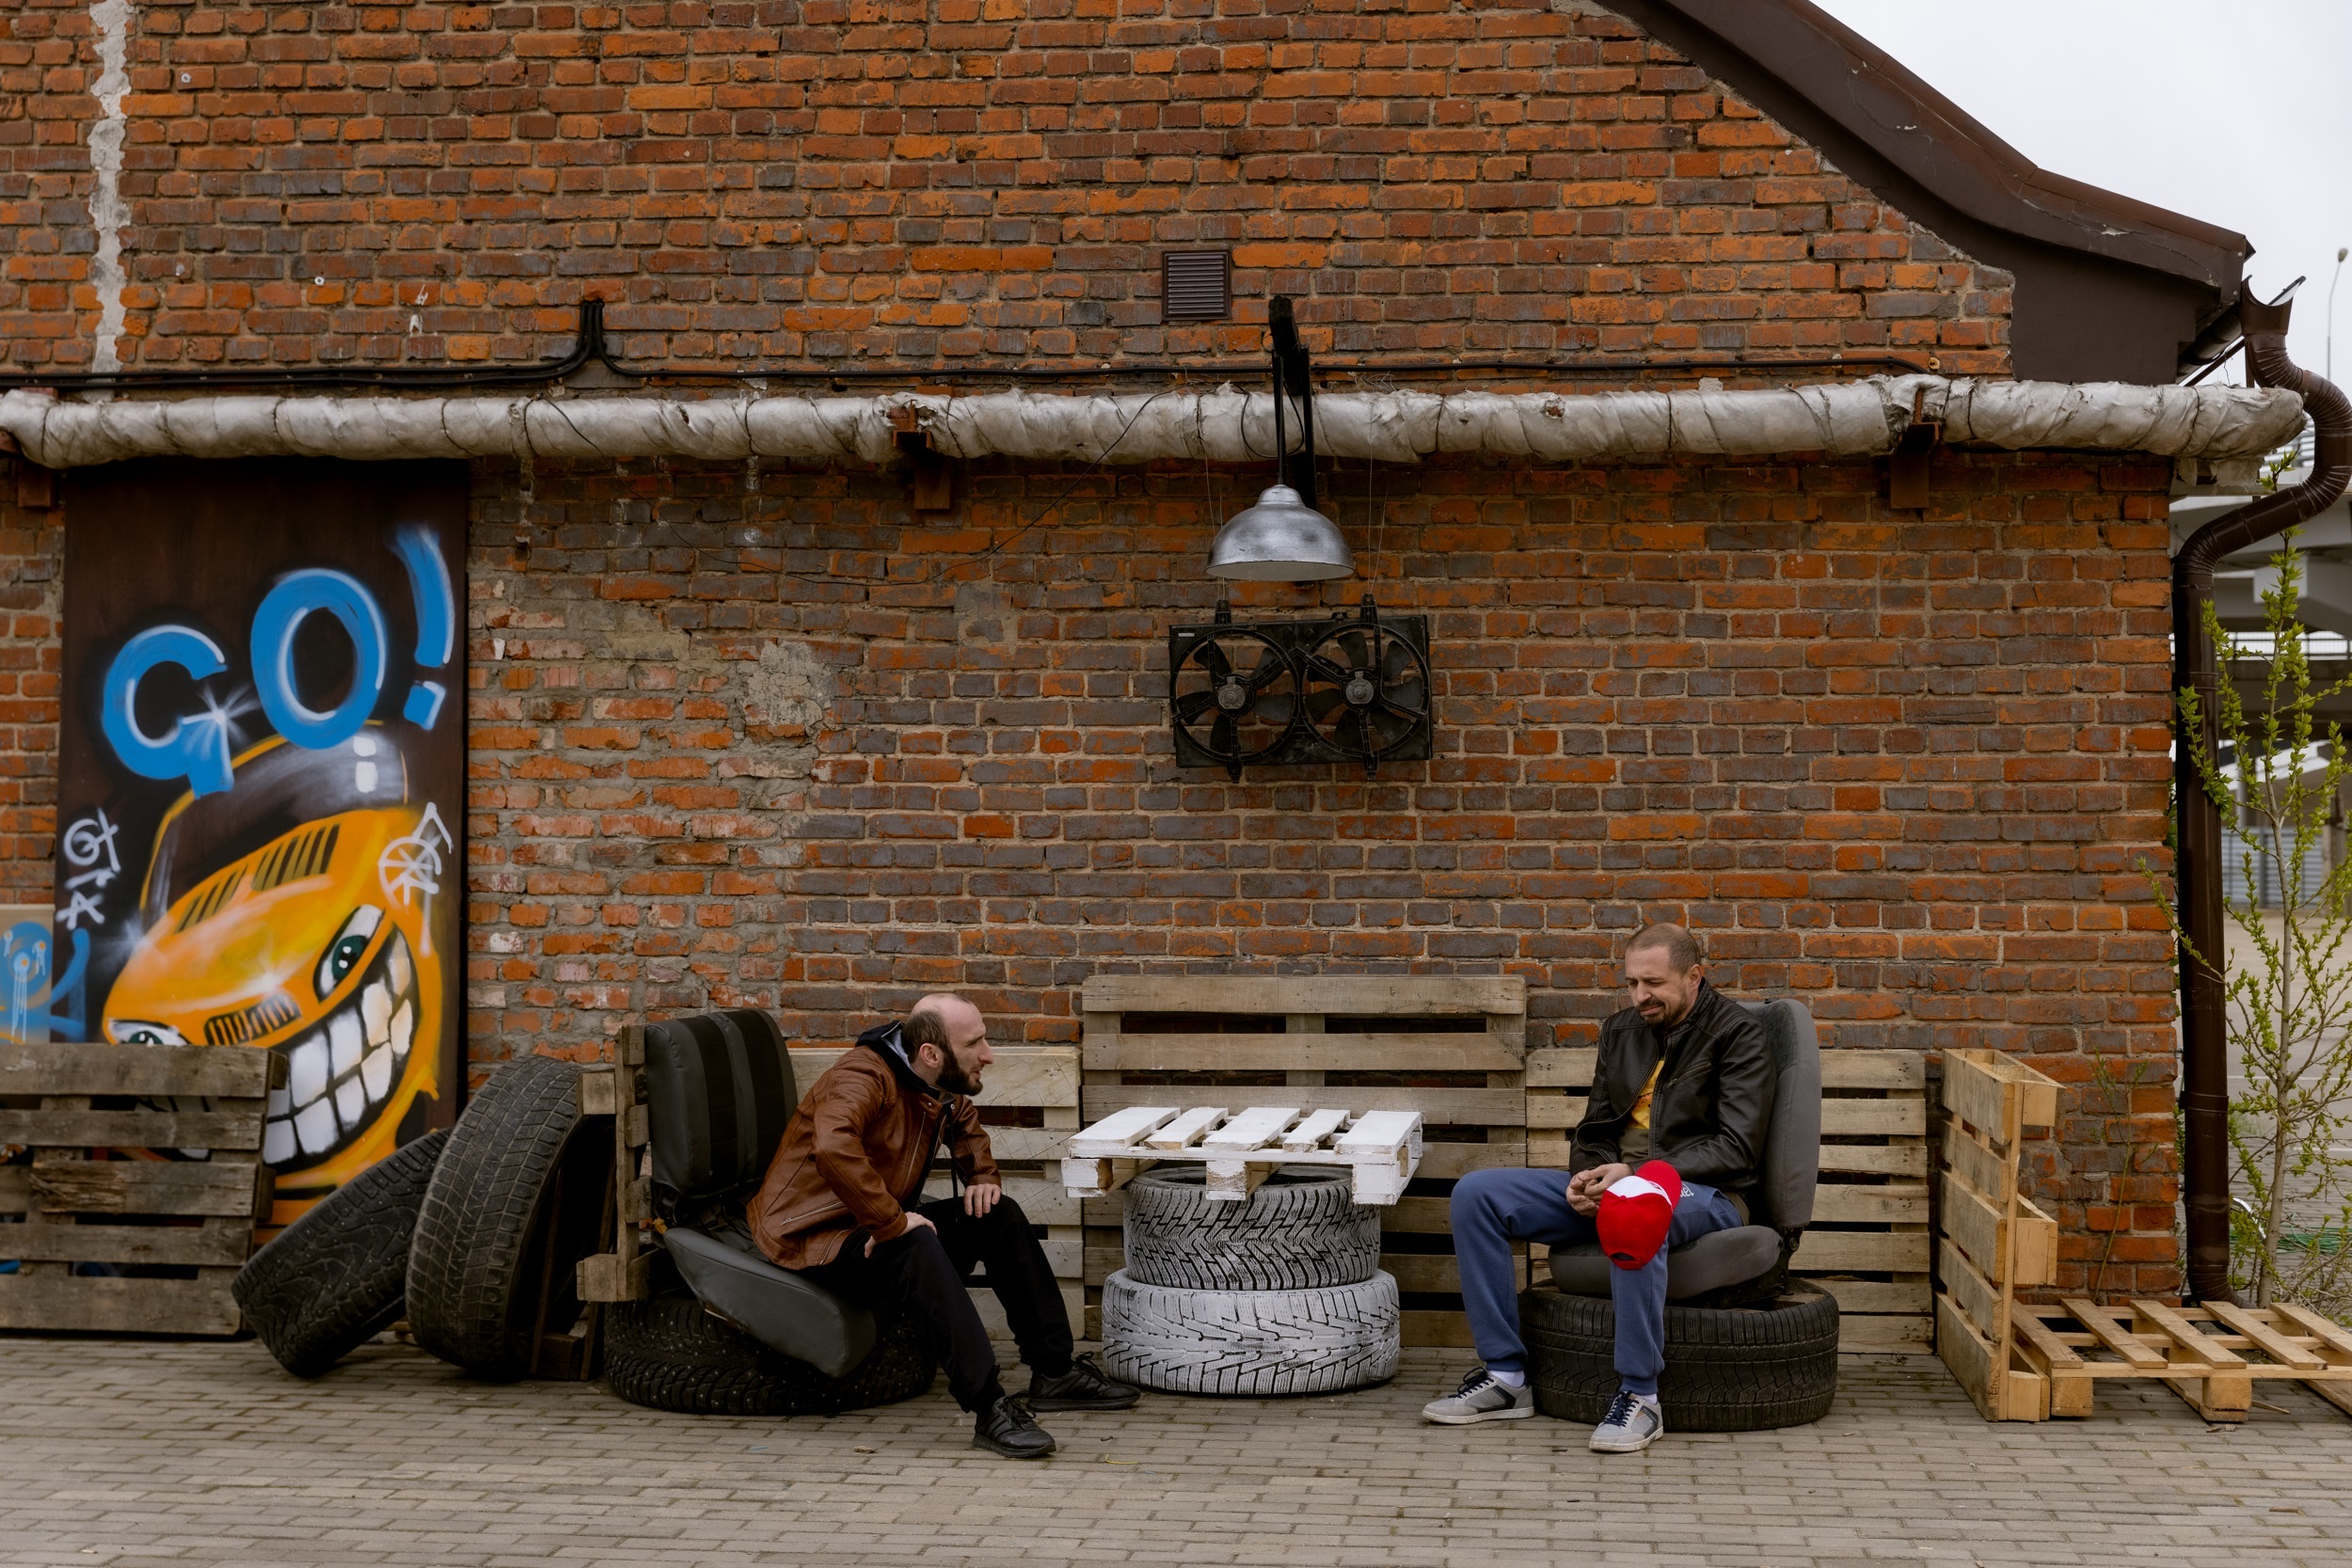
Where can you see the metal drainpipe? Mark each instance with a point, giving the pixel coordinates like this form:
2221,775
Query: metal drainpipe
2204,1025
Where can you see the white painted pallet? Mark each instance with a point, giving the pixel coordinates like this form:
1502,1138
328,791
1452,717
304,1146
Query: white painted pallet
1382,1149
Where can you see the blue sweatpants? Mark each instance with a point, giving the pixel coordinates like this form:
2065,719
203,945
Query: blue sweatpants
1494,1208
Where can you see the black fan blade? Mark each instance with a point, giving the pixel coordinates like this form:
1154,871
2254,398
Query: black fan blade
1275,711
1192,704
1271,666
1399,660
1214,658
1221,737
1322,701
1412,717
1322,669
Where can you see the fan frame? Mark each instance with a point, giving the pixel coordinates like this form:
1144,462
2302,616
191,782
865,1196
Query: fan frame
1301,745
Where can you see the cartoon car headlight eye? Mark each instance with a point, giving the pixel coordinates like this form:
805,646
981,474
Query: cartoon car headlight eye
350,946
132,1031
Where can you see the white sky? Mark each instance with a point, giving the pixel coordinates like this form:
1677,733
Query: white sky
2238,112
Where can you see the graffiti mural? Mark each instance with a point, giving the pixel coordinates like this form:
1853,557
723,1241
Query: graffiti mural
261,776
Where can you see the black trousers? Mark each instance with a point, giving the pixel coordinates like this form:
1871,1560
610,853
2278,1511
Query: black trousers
925,1271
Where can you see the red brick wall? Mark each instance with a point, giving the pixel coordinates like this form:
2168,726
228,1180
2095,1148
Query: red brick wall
32,546
1904,769
933,179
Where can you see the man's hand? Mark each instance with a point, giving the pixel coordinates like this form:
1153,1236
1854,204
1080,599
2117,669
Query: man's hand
1585,1186
914,1222
979,1198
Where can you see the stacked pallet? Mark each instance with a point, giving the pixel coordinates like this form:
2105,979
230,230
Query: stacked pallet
1868,1245
1447,1047
145,1160
1991,1241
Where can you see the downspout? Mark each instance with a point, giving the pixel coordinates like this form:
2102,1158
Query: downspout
2204,1024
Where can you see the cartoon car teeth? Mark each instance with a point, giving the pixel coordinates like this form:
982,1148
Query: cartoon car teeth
293,913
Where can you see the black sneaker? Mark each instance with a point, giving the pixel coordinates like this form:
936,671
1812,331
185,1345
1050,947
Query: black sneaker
1084,1387
1007,1428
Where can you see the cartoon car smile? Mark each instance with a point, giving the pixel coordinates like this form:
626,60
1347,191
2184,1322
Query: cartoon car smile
295,912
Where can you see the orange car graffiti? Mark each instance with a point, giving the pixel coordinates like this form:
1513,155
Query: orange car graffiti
297,913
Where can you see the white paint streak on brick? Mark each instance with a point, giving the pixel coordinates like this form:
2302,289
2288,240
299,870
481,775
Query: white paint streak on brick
109,212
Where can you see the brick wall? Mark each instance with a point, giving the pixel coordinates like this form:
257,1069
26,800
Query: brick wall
32,546
788,750
933,179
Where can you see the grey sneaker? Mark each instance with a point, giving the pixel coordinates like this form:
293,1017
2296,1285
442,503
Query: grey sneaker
1480,1398
1632,1424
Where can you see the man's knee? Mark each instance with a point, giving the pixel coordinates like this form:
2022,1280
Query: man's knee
1475,1196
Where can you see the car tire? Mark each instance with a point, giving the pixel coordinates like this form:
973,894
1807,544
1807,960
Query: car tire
516,1202
667,1352
338,1277
1301,1230
1250,1344
1728,1369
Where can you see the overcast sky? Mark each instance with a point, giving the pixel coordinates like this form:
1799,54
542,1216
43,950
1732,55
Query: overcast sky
2238,112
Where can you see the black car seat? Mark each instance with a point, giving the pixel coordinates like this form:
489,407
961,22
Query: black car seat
1728,1264
719,1089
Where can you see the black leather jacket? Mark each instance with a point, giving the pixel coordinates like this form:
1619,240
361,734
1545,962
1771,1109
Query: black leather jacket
1713,1099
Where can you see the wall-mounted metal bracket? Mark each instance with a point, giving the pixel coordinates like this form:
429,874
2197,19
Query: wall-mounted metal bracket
1907,470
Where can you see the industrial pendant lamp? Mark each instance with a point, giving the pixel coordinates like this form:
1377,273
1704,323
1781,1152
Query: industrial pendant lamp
1283,538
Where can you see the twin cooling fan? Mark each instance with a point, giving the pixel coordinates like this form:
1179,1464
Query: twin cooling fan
1352,688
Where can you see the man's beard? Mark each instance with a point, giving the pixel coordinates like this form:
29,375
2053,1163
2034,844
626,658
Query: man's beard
955,1079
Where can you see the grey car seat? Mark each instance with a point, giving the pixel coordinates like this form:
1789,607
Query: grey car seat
1730,1266
719,1089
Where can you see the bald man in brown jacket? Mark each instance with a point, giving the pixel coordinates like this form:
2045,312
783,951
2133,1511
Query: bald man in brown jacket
843,1202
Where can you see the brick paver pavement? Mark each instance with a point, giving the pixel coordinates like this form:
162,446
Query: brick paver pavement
112,1452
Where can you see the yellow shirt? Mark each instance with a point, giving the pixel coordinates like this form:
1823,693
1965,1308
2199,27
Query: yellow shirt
1640,1114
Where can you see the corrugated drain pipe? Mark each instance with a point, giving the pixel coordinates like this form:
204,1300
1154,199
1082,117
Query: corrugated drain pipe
2205,1022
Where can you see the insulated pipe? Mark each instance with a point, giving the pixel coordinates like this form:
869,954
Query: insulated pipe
2205,1022
1856,418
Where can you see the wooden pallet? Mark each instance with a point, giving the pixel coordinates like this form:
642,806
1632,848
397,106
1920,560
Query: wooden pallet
1868,1245
2210,1355
1449,1047
1991,1241
1239,1150
106,1179
1031,1100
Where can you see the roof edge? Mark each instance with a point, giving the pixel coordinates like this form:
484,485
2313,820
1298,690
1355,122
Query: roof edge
1877,100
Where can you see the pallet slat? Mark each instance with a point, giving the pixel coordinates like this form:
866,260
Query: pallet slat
198,1306
1347,996
139,1070
1022,1075
204,1187
1308,1052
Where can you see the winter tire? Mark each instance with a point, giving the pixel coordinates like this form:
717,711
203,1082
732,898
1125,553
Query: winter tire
1302,1231
1251,1344
1727,1368
336,1277
668,1354
515,1204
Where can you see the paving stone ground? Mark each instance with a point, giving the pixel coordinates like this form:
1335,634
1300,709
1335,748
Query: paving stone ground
126,1453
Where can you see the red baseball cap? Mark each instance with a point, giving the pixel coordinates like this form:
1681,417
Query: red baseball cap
1636,1210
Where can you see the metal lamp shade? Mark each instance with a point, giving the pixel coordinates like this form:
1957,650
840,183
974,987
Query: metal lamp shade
1281,538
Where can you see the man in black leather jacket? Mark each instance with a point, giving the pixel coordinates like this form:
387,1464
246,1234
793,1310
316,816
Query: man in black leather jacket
1684,1076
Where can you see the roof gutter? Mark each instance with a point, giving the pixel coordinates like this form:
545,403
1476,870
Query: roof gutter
2204,1024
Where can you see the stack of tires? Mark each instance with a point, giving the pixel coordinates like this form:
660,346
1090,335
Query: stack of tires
474,1235
1280,1295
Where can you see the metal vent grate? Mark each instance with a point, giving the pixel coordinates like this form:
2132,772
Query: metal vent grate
1196,285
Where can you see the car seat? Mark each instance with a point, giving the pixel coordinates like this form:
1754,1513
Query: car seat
1751,1260
719,1089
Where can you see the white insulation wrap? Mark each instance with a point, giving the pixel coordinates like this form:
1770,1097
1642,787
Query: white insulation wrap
1848,419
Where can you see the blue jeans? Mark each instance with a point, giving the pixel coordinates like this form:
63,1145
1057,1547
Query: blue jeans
1494,1208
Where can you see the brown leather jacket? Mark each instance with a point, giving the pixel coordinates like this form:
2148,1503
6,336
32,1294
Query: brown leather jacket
854,1154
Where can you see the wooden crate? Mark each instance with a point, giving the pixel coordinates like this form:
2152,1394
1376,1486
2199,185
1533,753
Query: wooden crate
1868,1245
108,1182
1991,1240
1030,1100
1450,1047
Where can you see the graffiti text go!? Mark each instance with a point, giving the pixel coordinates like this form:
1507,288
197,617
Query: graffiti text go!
196,747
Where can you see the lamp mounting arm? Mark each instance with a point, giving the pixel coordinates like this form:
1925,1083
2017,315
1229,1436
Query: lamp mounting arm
1294,372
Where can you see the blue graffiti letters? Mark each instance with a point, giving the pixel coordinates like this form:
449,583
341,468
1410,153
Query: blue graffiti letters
298,595
436,618
196,748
